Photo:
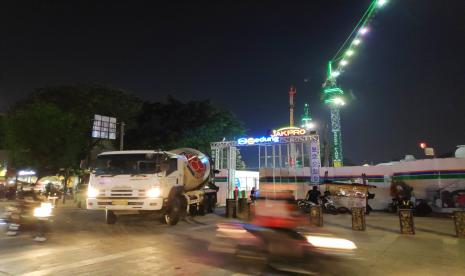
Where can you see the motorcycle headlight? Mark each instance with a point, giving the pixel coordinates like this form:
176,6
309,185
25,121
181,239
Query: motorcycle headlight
331,243
45,210
92,192
154,192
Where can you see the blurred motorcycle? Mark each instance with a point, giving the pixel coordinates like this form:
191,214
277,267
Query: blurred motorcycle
28,212
283,249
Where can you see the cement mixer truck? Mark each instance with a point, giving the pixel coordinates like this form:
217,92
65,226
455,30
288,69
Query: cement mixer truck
168,184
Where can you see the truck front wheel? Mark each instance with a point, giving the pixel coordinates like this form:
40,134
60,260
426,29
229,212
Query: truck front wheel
173,214
110,217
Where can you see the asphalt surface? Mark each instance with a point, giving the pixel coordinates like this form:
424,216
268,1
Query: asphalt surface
80,243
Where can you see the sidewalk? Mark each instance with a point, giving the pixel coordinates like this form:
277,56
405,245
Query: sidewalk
382,250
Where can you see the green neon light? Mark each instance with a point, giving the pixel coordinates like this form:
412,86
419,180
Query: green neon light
333,90
330,71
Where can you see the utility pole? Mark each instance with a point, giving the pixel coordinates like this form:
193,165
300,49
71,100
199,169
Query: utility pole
121,137
292,93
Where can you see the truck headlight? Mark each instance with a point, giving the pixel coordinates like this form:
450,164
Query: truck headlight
331,243
92,192
45,210
153,192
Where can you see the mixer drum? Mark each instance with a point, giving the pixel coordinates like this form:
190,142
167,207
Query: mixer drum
197,169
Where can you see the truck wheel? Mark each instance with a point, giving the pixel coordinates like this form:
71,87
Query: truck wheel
110,217
174,212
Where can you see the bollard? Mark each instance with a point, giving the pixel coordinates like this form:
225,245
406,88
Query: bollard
242,212
459,221
316,216
230,208
406,221
358,219
251,207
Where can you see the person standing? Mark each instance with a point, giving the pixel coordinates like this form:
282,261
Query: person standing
236,193
313,195
252,194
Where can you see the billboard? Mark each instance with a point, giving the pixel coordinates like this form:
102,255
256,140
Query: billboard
104,127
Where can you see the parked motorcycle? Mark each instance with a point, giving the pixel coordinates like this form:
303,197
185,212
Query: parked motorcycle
397,204
305,205
325,201
328,205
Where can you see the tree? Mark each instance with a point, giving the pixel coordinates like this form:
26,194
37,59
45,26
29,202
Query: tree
43,137
175,124
240,164
50,130
84,101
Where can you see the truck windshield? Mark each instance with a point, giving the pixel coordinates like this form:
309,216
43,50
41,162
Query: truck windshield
128,164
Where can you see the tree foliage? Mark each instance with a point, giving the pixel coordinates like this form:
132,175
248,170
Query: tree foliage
176,124
43,137
51,128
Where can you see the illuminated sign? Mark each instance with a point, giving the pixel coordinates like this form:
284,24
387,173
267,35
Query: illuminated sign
315,163
288,131
23,173
254,141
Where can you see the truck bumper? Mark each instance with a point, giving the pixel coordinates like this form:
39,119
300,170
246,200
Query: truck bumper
124,204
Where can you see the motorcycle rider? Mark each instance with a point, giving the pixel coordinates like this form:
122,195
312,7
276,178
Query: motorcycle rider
275,221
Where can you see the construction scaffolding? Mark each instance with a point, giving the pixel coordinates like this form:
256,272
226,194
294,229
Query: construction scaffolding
287,152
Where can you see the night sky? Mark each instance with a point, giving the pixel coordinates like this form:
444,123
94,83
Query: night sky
408,78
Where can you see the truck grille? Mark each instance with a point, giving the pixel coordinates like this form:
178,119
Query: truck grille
121,193
127,193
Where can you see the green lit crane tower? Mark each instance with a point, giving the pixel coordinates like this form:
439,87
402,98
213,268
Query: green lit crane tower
333,96
306,120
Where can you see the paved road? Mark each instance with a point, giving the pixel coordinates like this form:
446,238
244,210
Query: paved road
82,244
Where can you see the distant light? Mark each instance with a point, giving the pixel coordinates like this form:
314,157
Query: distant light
335,74
363,30
349,53
309,125
338,101
357,42
22,173
423,145
343,62
381,3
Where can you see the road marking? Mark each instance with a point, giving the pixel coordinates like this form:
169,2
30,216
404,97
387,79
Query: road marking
450,241
39,253
92,261
203,227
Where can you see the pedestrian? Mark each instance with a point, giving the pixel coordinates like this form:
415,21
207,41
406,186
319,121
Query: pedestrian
252,194
236,193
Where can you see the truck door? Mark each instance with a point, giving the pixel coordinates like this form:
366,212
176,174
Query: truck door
172,174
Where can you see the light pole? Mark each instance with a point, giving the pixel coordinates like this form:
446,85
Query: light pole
121,136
